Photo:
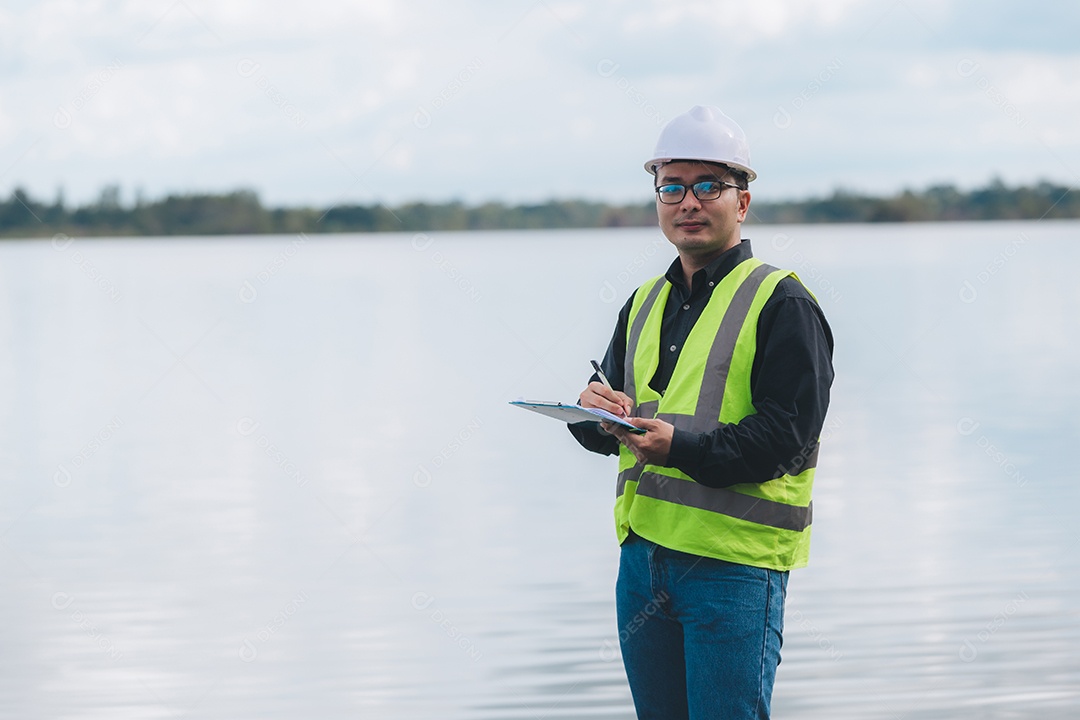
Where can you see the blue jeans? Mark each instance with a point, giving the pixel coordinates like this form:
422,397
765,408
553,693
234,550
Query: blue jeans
700,638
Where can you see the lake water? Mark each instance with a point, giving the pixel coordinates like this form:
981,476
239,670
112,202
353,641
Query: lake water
278,478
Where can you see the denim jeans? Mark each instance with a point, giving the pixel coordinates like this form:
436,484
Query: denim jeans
700,637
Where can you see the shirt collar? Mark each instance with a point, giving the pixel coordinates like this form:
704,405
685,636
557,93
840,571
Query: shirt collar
715,271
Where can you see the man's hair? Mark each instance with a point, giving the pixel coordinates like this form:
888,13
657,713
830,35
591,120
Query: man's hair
739,177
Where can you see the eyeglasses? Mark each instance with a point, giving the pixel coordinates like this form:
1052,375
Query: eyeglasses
705,190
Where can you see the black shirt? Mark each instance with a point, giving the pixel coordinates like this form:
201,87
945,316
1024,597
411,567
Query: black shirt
789,382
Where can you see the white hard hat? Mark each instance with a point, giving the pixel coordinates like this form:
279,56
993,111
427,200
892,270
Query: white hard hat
704,133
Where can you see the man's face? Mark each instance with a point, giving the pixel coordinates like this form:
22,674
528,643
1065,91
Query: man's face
701,228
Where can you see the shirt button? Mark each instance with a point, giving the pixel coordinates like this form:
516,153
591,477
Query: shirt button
711,283
686,306
672,348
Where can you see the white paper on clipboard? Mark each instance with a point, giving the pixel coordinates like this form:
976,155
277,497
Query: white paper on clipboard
575,413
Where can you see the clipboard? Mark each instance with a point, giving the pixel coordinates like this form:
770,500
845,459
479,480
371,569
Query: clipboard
575,413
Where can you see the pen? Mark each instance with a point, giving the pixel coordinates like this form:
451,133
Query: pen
596,366
603,377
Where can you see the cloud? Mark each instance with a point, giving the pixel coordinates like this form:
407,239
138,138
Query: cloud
323,102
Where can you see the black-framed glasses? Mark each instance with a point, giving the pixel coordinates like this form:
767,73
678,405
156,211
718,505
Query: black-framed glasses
671,194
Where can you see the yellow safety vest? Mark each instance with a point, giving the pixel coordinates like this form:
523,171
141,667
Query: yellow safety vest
763,524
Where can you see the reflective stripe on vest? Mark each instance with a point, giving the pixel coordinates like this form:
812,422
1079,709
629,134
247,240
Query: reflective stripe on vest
765,524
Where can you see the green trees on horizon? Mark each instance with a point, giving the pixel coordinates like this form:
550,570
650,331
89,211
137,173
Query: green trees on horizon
938,203
241,213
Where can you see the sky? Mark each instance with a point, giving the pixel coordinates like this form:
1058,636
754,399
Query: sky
320,103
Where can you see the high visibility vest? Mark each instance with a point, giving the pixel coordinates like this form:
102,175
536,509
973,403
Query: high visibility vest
763,524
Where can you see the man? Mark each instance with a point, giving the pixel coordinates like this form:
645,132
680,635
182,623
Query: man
726,363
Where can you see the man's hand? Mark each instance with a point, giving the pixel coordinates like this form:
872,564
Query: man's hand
653,447
598,395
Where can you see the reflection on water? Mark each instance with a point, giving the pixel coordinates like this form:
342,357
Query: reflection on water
262,478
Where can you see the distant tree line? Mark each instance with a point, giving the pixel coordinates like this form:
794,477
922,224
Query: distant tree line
996,201
241,213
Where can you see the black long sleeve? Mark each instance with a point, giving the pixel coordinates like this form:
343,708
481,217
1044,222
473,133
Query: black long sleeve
790,381
588,433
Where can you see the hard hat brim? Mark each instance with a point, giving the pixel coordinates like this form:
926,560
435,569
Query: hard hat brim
650,166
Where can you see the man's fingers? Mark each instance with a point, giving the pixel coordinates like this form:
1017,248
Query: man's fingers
617,430
629,439
600,396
